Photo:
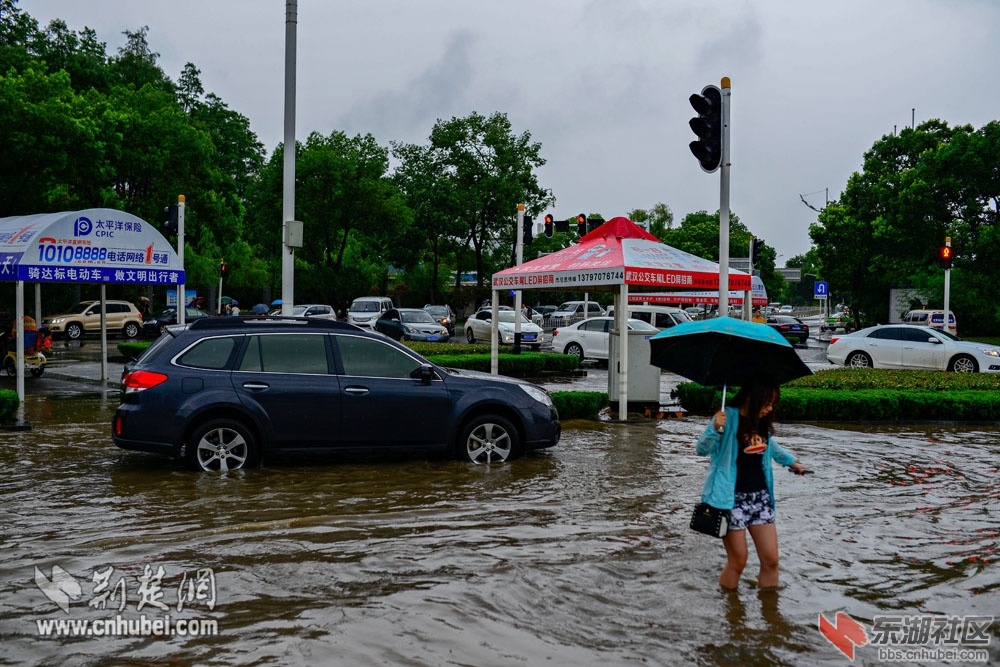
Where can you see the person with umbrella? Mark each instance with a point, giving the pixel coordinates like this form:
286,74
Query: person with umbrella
740,444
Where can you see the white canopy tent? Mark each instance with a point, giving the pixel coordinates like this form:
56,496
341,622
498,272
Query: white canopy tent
613,257
98,246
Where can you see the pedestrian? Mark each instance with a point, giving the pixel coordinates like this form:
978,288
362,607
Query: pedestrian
235,310
757,317
741,448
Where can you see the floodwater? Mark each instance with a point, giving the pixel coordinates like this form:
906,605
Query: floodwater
578,556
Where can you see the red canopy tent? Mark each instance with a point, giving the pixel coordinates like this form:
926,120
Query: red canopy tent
615,256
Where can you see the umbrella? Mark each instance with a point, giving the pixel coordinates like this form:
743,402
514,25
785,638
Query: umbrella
276,302
261,309
725,350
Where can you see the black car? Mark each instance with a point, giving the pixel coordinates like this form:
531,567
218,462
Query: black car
223,392
792,328
154,324
412,324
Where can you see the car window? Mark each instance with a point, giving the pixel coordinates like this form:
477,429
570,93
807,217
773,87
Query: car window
641,326
210,353
286,353
888,333
915,335
595,325
365,357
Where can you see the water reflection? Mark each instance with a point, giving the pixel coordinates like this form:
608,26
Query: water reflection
579,555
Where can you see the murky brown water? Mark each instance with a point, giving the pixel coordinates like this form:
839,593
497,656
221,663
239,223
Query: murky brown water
577,556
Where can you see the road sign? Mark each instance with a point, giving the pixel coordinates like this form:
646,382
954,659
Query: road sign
821,289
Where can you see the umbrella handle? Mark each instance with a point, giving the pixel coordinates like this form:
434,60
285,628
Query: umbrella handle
723,429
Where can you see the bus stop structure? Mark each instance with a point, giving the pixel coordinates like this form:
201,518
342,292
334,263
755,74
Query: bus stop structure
615,257
94,246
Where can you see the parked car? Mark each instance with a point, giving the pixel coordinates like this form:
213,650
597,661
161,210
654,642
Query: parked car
412,324
588,339
478,326
314,310
364,310
85,317
444,315
661,317
786,310
574,311
792,328
154,324
224,392
912,347
838,321
933,319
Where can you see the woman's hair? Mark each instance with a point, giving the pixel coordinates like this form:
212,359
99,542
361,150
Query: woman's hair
754,395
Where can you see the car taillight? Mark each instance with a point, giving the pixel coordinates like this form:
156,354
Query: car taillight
834,339
142,380
555,332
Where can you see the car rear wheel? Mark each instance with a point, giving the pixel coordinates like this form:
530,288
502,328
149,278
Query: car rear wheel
74,331
221,445
469,336
489,439
859,360
963,363
131,330
575,349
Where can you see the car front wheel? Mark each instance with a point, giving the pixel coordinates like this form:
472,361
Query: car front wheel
131,330
74,331
963,363
221,445
859,360
489,439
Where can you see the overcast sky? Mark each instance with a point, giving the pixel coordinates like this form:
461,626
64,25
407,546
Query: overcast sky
603,85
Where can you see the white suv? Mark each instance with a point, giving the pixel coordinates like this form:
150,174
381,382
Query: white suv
366,309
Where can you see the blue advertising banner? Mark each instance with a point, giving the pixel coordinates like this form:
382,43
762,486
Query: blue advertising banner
91,246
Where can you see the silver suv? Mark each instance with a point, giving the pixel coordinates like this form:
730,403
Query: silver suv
85,317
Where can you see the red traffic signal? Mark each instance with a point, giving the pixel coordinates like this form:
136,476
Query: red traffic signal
581,225
223,269
549,225
944,256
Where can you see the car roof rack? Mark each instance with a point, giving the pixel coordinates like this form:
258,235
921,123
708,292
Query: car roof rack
238,322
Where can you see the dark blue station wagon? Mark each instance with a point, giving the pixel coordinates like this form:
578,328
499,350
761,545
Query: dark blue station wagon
221,393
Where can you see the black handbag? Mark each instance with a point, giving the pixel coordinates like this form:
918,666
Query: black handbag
710,520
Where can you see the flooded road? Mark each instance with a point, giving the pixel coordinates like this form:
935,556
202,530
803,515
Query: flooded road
579,555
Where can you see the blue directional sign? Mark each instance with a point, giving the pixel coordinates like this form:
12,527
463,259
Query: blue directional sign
821,289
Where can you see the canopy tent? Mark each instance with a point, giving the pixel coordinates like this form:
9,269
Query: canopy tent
758,296
97,245
614,257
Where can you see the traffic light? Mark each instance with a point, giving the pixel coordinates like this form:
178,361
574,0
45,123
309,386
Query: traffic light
528,227
594,223
708,126
223,269
581,225
549,225
944,256
756,246
170,213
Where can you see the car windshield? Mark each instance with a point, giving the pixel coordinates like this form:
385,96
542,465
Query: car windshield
416,317
166,314
364,307
509,316
80,307
640,325
299,310
437,311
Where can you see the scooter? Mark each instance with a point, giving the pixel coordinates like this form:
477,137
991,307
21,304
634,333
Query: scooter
34,358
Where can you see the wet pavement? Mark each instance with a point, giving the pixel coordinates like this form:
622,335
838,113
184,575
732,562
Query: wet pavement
579,555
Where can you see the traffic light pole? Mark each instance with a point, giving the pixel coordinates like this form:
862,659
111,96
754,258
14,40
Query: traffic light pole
181,292
724,203
947,290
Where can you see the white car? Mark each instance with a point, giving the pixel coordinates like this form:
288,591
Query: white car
786,310
912,347
588,339
477,327
320,310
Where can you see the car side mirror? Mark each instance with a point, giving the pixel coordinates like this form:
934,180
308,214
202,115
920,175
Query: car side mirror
935,340
425,373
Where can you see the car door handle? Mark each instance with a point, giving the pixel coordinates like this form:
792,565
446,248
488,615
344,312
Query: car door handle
256,386
356,391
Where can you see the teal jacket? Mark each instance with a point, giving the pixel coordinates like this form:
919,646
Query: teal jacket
721,448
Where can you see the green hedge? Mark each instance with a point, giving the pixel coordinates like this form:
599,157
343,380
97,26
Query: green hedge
579,404
9,403
846,395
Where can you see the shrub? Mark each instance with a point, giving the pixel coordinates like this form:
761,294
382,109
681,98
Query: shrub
9,402
579,404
